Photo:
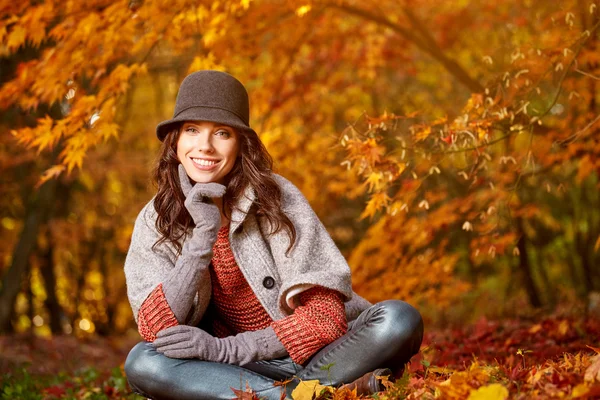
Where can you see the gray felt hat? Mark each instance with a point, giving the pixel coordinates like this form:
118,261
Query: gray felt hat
213,96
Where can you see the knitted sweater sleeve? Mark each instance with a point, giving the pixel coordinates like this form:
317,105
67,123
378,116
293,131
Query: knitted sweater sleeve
155,315
318,321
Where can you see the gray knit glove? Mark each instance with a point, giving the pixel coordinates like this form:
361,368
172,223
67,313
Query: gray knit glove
183,341
191,268
204,212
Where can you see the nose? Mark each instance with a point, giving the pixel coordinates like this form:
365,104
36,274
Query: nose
204,141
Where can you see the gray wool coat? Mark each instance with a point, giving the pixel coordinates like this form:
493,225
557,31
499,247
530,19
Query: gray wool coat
275,278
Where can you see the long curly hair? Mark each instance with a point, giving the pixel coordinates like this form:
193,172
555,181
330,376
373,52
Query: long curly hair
253,166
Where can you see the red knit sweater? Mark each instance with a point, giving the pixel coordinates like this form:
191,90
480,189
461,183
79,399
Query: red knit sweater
318,321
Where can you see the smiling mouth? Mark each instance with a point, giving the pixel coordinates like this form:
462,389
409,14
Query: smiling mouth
204,163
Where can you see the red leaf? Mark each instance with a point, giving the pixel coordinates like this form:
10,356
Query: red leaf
247,394
55,391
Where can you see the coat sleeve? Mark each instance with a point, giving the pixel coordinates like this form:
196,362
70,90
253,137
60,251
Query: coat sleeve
147,267
314,259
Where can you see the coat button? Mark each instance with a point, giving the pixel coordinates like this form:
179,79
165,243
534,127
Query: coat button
268,282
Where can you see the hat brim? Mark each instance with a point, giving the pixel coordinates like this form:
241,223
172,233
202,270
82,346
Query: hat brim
210,114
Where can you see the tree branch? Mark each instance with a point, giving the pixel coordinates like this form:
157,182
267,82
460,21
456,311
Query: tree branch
426,44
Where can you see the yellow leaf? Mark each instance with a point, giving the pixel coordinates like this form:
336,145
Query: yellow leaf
536,378
460,384
440,370
16,38
46,138
8,223
580,390
204,62
563,327
423,134
375,181
376,203
440,121
306,390
73,153
50,173
209,37
108,131
495,391
2,33
481,132
300,11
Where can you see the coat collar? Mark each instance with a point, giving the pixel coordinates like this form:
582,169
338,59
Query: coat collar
242,207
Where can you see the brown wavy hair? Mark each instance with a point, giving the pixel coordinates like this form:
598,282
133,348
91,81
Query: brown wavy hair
253,166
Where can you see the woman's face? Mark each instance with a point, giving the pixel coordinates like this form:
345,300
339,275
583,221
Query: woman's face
207,150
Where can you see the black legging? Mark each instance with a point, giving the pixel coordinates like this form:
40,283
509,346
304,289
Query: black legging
386,334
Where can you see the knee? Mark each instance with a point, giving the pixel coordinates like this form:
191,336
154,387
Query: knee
400,322
142,367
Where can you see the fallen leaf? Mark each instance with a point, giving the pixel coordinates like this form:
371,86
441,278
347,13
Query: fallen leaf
495,391
536,328
580,390
563,327
592,373
247,394
307,390
55,391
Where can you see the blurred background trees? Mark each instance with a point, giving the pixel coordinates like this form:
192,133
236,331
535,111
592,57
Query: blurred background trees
451,148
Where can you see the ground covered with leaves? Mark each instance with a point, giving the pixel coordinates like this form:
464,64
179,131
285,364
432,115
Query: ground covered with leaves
63,367
520,359
543,358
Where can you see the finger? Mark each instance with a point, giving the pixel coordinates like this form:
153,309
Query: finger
196,196
171,339
211,190
186,345
174,329
184,180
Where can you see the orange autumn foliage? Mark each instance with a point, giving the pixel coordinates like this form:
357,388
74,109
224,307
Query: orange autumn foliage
450,147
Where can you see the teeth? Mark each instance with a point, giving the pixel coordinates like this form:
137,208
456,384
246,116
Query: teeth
203,162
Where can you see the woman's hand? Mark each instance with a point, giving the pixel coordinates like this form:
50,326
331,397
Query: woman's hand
185,341
198,200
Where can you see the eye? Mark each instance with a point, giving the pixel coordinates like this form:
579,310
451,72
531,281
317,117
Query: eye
191,129
223,133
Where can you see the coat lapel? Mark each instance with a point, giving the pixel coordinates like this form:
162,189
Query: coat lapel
241,208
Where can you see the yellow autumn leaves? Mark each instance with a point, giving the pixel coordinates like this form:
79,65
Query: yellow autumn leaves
312,389
481,382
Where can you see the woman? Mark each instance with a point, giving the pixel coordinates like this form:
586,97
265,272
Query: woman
233,280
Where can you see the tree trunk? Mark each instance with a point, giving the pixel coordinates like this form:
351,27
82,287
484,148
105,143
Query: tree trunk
103,328
583,245
54,309
525,268
547,289
29,294
37,213
80,271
